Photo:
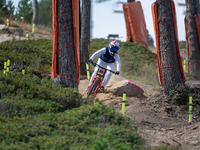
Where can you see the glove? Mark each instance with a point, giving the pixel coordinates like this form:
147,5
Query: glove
117,72
90,60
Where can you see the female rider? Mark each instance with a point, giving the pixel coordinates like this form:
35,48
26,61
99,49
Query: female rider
108,56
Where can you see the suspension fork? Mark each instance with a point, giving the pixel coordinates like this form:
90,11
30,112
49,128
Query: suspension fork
95,92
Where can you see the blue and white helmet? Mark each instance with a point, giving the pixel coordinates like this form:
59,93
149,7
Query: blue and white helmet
114,47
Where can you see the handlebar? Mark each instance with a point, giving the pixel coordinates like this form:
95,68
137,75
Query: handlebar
95,64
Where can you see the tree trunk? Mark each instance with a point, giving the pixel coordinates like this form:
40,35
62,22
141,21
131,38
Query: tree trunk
192,36
171,75
35,12
197,6
66,54
85,35
128,1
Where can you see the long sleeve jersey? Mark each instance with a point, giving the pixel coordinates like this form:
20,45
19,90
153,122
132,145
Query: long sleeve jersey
106,57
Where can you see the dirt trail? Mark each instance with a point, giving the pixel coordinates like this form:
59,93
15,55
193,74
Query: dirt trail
160,122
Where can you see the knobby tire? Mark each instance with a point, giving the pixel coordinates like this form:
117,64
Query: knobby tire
94,86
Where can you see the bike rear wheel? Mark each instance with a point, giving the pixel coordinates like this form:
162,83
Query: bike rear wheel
94,86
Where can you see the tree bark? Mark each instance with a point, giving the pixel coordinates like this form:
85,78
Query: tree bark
66,54
192,36
197,6
171,74
85,35
35,12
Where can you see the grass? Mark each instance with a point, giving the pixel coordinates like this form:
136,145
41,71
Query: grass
182,44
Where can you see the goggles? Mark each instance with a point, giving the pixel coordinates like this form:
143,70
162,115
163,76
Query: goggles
114,49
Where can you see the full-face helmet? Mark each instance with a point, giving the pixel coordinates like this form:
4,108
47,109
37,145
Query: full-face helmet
114,47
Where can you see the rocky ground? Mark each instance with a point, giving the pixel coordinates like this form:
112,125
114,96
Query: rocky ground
15,34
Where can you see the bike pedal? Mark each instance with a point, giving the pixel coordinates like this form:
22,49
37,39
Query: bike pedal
101,90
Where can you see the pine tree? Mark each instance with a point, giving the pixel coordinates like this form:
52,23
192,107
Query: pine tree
10,7
192,36
35,13
85,35
45,12
66,54
171,74
25,10
3,8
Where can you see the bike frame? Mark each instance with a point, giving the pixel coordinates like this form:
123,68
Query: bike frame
100,74
95,92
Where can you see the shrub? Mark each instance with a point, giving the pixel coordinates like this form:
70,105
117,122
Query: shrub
19,106
34,55
80,128
180,95
17,91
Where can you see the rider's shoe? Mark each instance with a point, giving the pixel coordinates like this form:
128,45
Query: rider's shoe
101,89
87,88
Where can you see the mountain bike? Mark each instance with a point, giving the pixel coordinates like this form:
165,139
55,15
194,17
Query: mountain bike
97,80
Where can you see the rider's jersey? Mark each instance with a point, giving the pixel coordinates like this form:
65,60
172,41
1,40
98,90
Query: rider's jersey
106,57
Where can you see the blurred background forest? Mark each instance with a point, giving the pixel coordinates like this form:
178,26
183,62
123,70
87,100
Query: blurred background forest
24,11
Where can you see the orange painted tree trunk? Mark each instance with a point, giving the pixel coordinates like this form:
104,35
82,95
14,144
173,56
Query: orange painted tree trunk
66,54
192,37
170,69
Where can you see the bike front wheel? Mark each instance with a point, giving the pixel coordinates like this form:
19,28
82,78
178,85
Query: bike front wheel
94,86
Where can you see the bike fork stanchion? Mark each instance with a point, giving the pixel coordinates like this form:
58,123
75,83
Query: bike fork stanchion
123,102
88,71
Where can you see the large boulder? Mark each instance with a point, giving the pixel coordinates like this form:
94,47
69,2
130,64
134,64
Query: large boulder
119,87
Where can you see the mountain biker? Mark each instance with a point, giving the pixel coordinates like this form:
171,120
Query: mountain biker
108,56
